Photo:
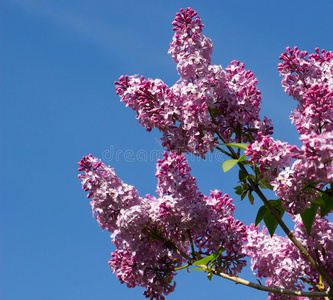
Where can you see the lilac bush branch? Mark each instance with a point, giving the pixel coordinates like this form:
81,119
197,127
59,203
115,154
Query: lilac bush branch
155,235
274,290
284,227
239,280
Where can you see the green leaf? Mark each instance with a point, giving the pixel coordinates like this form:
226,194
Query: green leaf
209,276
229,164
270,223
267,185
324,210
217,112
217,253
308,217
198,269
242,158
319,201
237,145
263,210
251,198
239,190
242,175
168,279
183,238
203,261
210,258
262,185
243,195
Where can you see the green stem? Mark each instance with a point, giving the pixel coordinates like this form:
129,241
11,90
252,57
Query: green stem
221,150
182,267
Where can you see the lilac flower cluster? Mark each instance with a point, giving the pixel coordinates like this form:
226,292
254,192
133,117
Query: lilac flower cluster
207,99
109,194
190,49
273,159
179,112
150,233
155,235
278,260
235,101
313,167
309,80
271,156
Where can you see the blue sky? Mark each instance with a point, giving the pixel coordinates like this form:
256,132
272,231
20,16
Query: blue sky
58,62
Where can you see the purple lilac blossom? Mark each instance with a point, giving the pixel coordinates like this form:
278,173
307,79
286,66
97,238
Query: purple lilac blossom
280,262
313,167
208,100
190,49
270,155
309,80
235,102
205,100
145,228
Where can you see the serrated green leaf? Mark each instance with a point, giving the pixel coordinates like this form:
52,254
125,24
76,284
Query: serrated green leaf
237,145
308,217
229,164
263,210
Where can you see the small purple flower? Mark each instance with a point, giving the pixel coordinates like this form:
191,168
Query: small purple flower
143,228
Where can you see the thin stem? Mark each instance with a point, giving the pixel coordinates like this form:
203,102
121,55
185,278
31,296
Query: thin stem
260,287
182,267
237,279
273,211
191,242
284,227
221,150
